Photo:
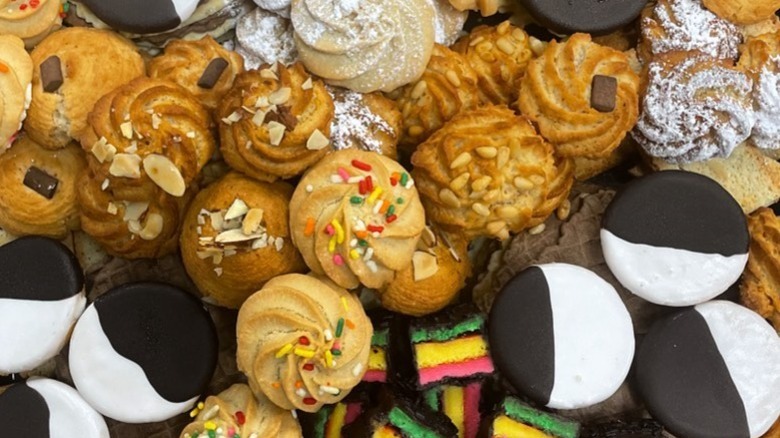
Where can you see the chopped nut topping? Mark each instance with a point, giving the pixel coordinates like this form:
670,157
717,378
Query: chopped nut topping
112,208
276,133
127,130
134,210
252,221
153,227
126,166
234,117
268,74
280,96
317,140
424,265
103,151
308,85
237,209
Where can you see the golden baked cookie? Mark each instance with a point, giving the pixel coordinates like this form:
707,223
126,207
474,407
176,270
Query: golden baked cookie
148,134
287,335
774,432
694,108
560,187
485,173
356,218
486,8
30,20
92,63
583,97
365,46
760,287
743,11
370,122
759,59
237,411
499,55
438,272
236,237
686,25
275,122
38,189
447,87
203,67
15,88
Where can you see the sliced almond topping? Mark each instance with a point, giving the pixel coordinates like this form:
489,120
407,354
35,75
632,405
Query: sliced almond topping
317,140
268,74
153,227
419,89
429,237
165,174
134,210
261,102
461,160
276,133
487,152
280,96
217,220
237,209
259,118
190,134
112,208
308,85
156,121
103,151
105,184
134,226
460,181
234,117
252,221
259,243
448,197
126,166
127,130
233,236
425,265
480,209
132,149
481,183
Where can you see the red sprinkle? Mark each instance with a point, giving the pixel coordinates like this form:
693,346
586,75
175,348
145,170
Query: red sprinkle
369,184
375,228
390,219
240,418
23,6
308,367
336,346
361,165
303,340
309,401
35,3
393,182
362,187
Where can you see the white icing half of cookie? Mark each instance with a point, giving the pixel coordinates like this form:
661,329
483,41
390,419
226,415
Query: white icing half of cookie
115,386
670,276
185,8
751,350
594,337
69,415
32,331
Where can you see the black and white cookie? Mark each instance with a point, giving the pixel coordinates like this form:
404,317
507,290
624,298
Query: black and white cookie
596,17
41,297
142,16
561,335
45,408
143,352
711,371
675,238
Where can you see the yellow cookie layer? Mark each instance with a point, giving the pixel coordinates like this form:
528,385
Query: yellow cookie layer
377,359
505,427
385,432
336,421
431,354
453,407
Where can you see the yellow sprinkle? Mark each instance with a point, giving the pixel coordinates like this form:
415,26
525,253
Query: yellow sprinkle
332,245
308,354
339,230
210,425
354,255
374,195
194,412
345,304
201,405
328,359
284,351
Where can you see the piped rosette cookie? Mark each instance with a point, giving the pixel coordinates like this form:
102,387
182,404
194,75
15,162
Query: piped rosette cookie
760,59
303,342
146,144
485,173
30,20
356,217
275,122
16,69
584,97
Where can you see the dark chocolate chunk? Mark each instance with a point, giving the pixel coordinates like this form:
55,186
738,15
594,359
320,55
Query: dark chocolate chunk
40,181
51,74
603,93
211,75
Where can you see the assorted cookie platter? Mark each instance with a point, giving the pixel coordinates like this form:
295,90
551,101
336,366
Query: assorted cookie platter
406,218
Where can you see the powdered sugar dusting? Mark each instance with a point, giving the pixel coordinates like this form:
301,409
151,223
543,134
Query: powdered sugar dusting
766,95
687,25
692,113
263,37
280,7
354,124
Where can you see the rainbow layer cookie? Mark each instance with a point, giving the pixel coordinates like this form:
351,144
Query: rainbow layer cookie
450,346
380,342
460,404
399,417
329,421
514,418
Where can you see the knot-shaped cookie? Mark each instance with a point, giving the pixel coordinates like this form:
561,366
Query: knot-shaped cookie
499,55
694,108
686,25
16,69
584,97
364,46
447,86
356,218
237,412
30,20
203,67
759,288
484,173
275,122
303,342
759,59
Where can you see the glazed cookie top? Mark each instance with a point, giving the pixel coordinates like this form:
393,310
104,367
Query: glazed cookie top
303,342
142,16
356,217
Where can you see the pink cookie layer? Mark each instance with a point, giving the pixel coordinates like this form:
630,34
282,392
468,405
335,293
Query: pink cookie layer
482,365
